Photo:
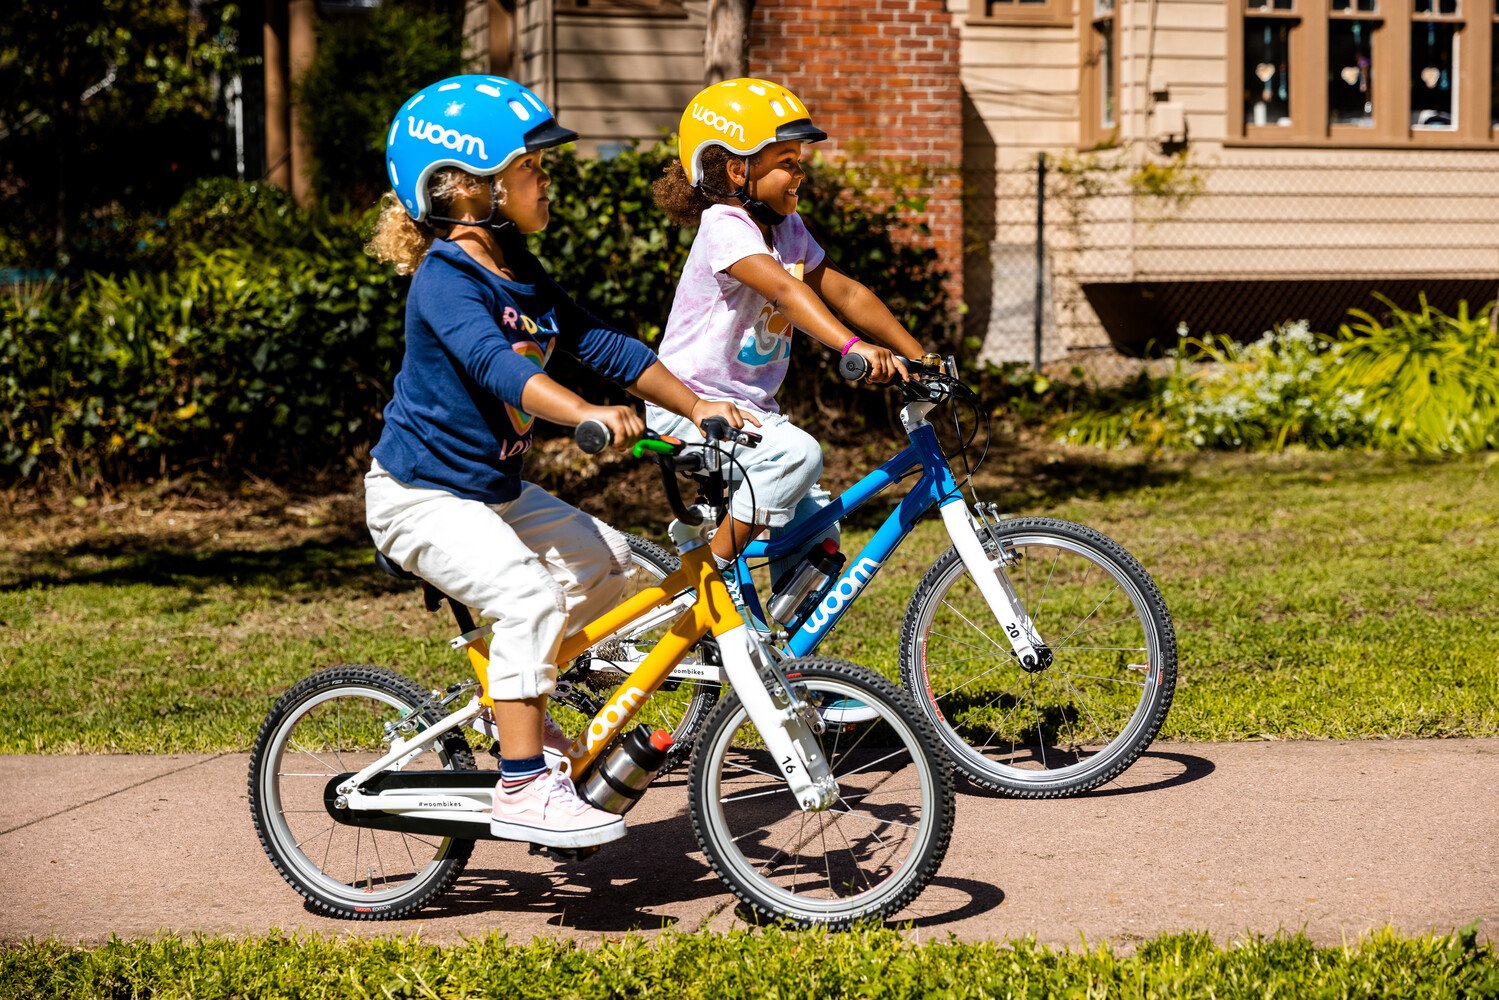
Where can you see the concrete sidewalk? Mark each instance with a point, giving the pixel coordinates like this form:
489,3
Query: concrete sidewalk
1331,838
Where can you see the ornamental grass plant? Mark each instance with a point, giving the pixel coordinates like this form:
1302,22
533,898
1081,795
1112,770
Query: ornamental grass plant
1417,381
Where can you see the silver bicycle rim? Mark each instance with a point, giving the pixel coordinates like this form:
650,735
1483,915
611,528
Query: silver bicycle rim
1103,660
838,851
373,854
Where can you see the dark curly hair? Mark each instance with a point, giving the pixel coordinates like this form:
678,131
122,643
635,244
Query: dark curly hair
685,204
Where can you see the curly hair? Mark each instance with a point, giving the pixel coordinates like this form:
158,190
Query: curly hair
399,239
685,204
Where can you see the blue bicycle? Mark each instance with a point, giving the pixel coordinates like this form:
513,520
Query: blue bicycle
1040,650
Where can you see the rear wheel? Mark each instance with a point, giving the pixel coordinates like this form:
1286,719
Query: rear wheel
336,722
678,707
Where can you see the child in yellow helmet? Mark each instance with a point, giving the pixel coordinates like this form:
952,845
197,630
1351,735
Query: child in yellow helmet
754,275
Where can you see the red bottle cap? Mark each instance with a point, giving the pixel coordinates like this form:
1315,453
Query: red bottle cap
829,546
661,740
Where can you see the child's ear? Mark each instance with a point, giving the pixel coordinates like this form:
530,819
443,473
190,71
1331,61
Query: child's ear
736,169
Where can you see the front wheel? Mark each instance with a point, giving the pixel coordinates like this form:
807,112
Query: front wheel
335,722
1081,718
867,855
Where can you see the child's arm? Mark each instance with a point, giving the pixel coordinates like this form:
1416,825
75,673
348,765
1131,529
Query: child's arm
549,399
799,303
658,385
861,307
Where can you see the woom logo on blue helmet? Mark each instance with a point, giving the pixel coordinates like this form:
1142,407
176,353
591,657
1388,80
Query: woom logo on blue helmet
450,138
717,122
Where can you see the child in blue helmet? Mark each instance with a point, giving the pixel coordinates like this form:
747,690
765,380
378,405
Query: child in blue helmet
444,496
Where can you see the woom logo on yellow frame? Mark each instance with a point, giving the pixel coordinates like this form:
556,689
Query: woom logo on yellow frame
608,722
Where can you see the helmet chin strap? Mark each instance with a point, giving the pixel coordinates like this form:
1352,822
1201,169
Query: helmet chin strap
758,210
494,222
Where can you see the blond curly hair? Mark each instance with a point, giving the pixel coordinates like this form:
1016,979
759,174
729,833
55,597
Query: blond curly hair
399,239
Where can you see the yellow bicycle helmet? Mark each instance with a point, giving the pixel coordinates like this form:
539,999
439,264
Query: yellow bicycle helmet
743,116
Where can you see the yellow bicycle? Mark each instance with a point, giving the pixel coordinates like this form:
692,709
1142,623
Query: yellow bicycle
816,790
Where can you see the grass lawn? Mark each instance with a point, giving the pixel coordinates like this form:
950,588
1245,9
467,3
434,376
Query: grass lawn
862,963
1314,595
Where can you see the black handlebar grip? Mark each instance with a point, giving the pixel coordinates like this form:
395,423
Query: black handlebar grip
853,367
593,436
717,429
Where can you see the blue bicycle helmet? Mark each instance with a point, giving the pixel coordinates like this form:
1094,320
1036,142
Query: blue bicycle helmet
475,122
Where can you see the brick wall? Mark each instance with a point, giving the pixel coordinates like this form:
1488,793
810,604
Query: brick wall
881,78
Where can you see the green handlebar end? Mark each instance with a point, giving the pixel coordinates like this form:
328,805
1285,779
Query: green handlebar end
646,444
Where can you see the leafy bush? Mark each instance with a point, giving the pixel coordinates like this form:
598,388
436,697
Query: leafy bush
265,359
1426,383
264,337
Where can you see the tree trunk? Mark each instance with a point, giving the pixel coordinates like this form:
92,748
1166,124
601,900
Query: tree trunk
726,44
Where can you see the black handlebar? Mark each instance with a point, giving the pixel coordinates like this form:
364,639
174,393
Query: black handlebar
855,368
593,436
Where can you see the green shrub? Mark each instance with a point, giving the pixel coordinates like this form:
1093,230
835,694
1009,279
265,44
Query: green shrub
263,338
1426,383
258,358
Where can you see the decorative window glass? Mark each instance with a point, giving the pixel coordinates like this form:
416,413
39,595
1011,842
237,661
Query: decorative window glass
1350,72
1108,94
1267,61
1365,73
1434,58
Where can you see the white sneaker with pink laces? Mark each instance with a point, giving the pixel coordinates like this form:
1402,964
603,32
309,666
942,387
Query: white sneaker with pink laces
549,812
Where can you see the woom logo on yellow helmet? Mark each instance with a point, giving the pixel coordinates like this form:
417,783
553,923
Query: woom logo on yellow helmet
717,122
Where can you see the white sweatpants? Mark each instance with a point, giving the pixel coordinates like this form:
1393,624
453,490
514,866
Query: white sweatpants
539,567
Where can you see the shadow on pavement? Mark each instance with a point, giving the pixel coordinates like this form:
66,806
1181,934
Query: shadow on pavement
1162,769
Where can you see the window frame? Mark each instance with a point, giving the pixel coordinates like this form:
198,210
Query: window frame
1046,13
666,9
1390,50
1092,133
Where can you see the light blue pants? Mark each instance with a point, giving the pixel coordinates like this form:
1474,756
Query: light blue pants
773,484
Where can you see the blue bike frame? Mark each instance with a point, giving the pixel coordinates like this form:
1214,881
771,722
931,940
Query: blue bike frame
935,488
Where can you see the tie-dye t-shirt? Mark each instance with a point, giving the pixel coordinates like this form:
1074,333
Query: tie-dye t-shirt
724,340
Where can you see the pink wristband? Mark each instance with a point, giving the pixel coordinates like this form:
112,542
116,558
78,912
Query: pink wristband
851,342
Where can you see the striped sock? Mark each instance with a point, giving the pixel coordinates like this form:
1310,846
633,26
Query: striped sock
517,774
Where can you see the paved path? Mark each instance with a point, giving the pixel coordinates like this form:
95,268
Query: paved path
1330,838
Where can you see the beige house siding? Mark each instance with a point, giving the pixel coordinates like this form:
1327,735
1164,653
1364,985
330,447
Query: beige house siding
612,78
1376,216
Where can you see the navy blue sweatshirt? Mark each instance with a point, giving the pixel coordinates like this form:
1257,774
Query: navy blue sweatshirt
473,341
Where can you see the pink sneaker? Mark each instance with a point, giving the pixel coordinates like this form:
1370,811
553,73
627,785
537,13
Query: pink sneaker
549,812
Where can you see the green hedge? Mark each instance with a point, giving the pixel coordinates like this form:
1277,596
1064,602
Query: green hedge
236,358
259,337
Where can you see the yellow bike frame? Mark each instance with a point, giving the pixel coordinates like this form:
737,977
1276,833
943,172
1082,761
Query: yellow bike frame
713,611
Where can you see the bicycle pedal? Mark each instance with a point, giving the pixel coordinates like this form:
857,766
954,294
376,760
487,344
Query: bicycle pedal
564,853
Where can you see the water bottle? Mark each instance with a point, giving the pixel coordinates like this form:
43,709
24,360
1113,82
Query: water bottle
821,564
622,776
